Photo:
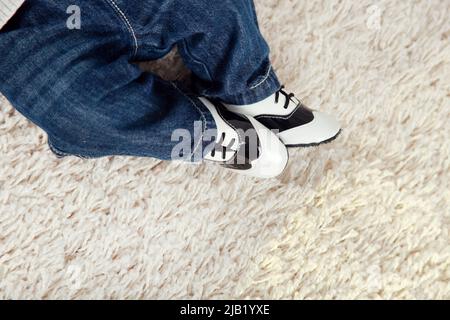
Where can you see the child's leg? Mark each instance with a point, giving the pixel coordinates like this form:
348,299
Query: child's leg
79,86
219,41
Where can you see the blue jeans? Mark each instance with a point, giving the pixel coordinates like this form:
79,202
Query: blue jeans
82,87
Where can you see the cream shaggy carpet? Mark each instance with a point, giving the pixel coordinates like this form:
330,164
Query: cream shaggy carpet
365,217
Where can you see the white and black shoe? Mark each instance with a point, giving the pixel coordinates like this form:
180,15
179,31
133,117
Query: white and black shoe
244,145
297,125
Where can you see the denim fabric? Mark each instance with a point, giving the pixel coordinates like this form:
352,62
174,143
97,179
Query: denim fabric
82,87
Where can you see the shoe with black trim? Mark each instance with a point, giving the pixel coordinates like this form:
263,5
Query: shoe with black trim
244,145
297,125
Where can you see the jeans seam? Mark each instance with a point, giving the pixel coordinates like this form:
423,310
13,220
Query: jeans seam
127,23
56,151
266,77
202,118
59,153
195,59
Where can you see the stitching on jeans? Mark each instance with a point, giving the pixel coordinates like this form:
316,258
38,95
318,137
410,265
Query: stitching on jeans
203,118
56,151
62,154
263,80
127,23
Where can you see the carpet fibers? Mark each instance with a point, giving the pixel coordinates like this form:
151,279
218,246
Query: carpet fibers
366,216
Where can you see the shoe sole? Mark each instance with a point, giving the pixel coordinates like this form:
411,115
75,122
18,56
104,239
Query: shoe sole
314,144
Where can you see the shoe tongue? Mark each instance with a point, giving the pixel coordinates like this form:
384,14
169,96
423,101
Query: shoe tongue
227,136
220,154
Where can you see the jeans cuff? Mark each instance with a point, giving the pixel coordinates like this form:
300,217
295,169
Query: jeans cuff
256,93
